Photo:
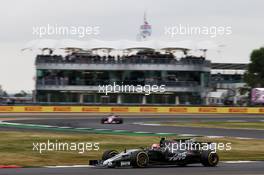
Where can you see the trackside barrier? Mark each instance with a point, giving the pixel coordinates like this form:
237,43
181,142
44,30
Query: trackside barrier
132,109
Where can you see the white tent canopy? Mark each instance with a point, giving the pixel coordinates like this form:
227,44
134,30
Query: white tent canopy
41,44
126,44
66,43
184,45
99,44
95,44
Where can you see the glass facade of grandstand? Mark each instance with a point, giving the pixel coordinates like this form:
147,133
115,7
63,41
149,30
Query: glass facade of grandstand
75,78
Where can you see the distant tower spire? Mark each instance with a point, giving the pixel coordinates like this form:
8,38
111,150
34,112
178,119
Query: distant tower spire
145,29
145,18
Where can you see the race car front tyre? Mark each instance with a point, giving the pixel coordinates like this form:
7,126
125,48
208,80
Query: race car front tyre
209,158
109,154
139,159
103,121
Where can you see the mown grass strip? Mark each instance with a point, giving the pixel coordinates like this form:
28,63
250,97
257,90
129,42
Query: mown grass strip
84,130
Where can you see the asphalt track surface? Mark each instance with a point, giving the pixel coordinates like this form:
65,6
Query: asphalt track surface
253,168
132,123
136,123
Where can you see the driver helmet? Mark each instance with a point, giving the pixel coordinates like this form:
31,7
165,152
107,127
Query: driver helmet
112,115
155,146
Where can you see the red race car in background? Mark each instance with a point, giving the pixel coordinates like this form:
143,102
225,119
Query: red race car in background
112,119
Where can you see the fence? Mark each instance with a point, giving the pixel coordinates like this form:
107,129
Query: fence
132,109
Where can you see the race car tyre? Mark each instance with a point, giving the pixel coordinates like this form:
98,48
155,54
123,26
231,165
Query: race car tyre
103,121
109,154
139,159
209,158
120,121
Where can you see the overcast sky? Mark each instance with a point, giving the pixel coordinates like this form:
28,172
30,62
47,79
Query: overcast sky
120,19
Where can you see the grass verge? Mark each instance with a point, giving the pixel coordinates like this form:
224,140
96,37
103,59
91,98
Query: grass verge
16,147
213,124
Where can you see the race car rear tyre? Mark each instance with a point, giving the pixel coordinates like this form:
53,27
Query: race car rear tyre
139,159
209,158
120,121
109,154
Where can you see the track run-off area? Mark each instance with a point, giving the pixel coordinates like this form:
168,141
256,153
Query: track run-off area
136,125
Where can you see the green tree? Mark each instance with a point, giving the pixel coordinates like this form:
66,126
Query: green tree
5,94
21,94
254,76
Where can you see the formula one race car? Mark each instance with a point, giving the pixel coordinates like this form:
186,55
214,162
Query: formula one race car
112,119
165,153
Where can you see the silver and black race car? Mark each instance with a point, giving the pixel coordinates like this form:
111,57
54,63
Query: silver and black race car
160,154
112,119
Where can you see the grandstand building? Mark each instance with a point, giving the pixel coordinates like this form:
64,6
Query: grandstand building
226,83
76,77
